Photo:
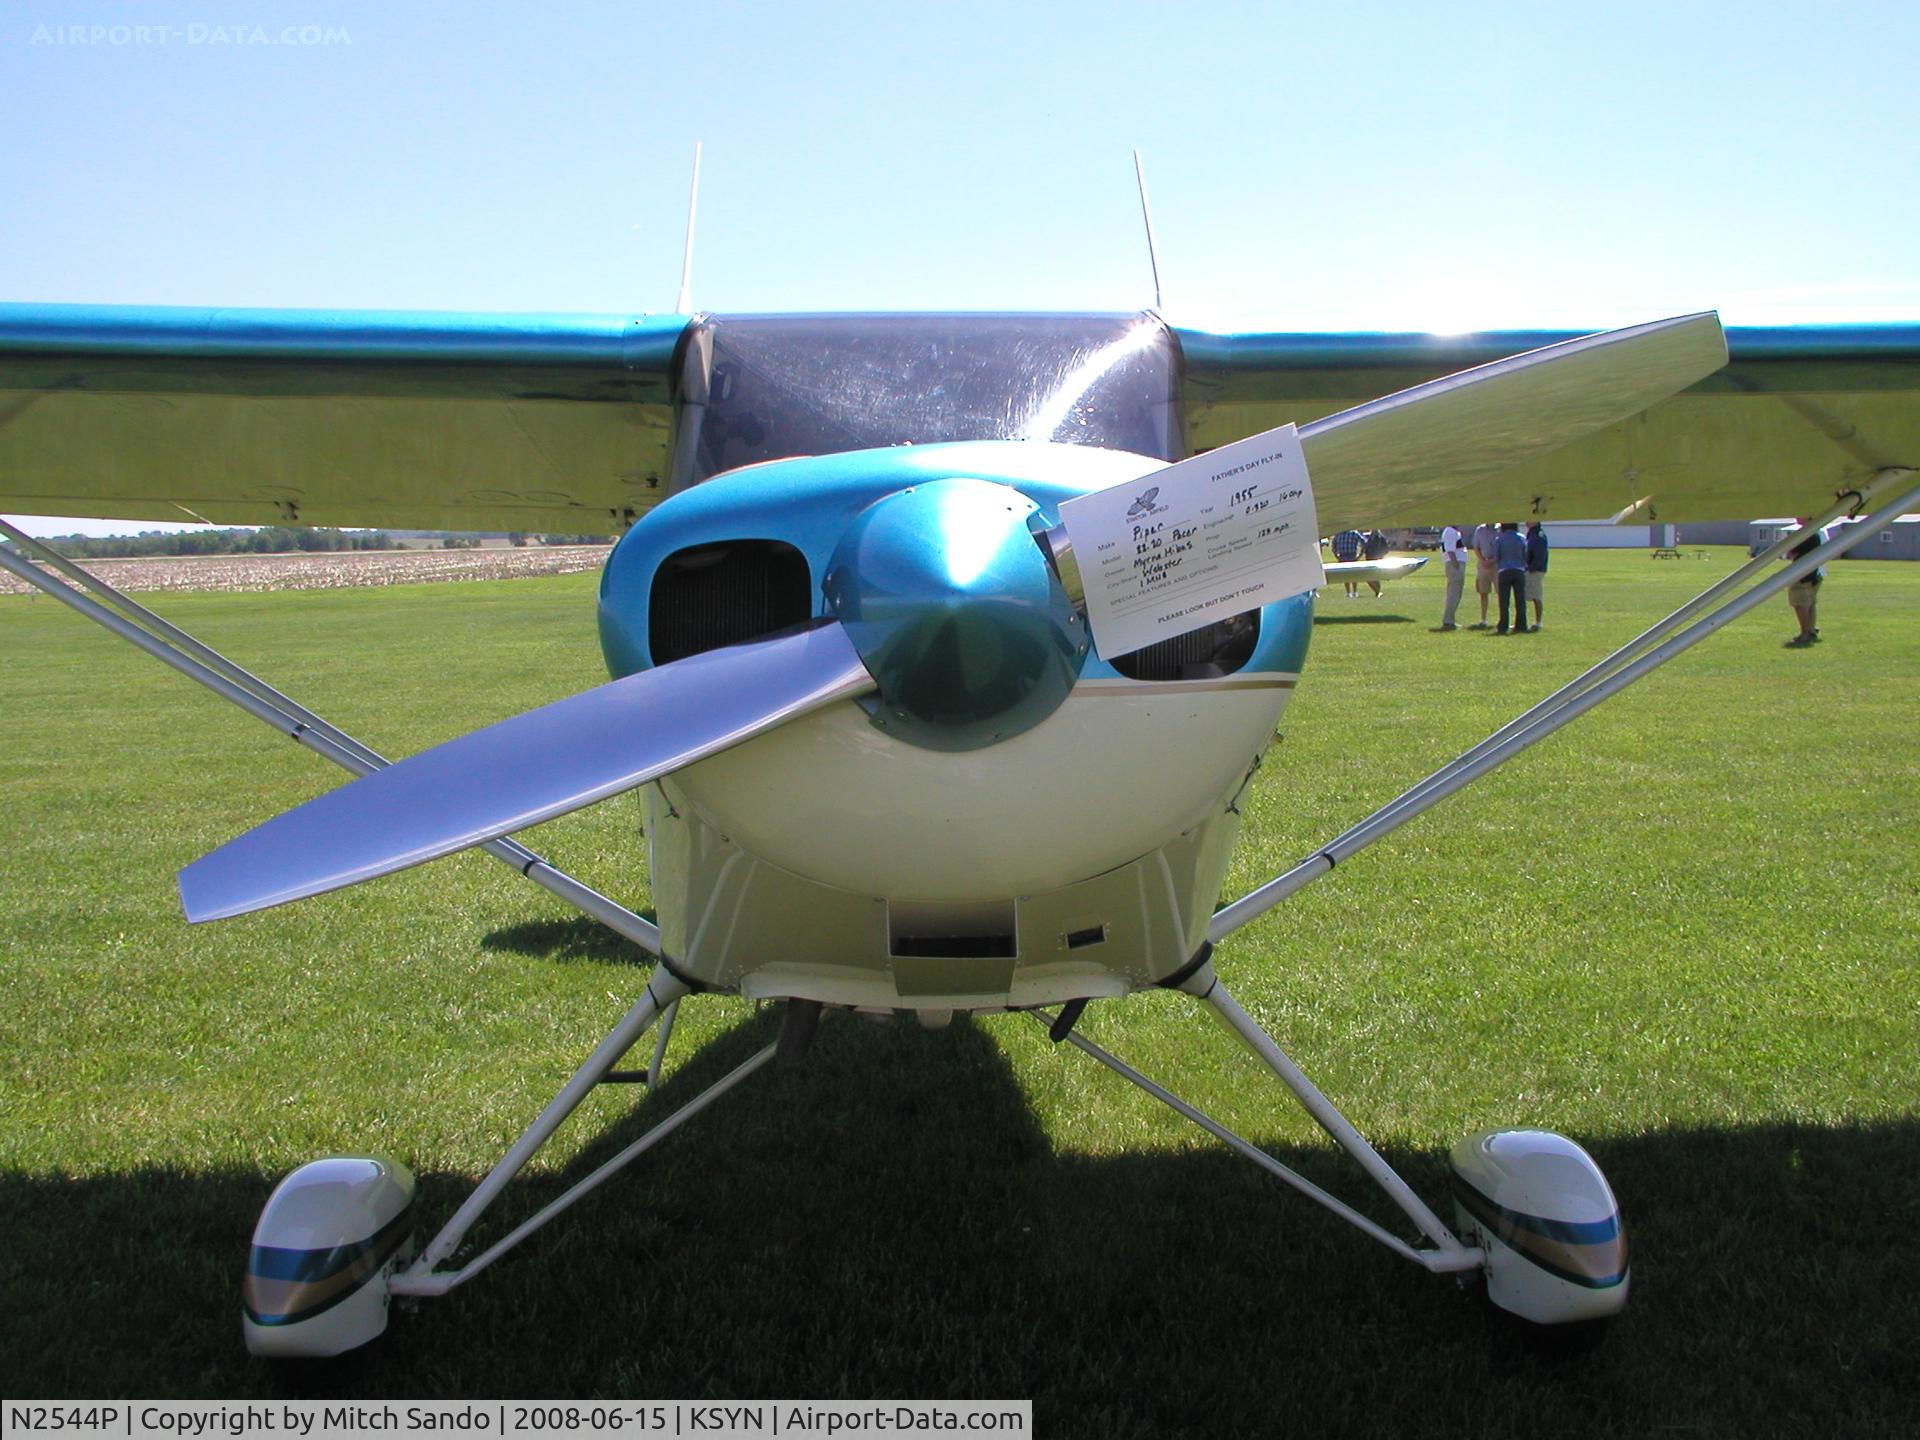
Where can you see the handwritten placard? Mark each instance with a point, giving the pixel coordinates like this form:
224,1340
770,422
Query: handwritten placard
1193,543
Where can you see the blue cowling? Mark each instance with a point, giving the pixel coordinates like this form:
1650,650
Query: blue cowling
957,614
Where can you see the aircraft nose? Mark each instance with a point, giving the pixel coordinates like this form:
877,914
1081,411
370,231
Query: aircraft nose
955,611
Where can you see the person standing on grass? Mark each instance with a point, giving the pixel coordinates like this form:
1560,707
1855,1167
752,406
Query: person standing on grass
1485,541
1805,591
1453,559
1346,546
1536,567
1510,565
1376,549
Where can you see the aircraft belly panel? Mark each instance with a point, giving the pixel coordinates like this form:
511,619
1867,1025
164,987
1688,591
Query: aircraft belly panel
734,921
1116,772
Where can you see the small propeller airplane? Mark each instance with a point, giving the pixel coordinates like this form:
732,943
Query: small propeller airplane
893,592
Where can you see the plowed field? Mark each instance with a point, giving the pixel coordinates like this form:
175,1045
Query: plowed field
329,571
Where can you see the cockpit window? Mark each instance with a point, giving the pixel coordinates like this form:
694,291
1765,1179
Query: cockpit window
756,388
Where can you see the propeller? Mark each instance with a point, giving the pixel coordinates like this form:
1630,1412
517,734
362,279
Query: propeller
527,769
949,622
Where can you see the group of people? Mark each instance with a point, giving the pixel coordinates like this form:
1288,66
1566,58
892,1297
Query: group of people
1512,565
1360,545
1506,563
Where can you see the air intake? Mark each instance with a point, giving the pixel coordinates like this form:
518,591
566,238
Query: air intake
707,596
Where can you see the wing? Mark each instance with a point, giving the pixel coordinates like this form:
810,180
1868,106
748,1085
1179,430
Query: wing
1394,567
563,422
1797,416
394,419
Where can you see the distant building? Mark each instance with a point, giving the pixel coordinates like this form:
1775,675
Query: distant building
1605,535
1712,532
1897,541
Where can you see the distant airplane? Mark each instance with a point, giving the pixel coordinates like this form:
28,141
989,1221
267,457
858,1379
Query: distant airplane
897,598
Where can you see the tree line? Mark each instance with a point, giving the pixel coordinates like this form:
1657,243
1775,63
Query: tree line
266,540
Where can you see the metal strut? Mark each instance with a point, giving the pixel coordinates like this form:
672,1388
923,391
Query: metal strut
1633,661
661,999
1448,1254
663,992
172,646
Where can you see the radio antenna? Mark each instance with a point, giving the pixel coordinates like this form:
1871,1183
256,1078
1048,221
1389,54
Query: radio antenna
1146,214
683,305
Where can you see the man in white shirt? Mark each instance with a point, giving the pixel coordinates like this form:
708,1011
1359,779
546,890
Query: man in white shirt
1453,558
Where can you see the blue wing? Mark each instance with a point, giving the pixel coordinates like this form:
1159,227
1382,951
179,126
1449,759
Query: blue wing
564,422
396,419
1796,416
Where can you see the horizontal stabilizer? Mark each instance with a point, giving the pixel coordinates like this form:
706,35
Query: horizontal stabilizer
530,768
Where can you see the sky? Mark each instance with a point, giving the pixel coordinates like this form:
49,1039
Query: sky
1350,166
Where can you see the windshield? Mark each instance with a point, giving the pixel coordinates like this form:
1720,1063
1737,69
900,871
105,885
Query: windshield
756,388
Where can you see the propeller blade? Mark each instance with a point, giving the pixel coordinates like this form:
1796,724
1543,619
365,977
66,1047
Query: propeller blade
530,768
1236,527
1370,461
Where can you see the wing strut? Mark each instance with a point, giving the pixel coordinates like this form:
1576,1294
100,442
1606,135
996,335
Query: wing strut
1637,658
173,646
1444,1255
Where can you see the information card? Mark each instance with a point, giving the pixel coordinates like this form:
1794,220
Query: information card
1203,539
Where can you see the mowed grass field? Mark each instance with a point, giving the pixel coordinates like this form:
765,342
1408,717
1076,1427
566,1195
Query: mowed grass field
1683,931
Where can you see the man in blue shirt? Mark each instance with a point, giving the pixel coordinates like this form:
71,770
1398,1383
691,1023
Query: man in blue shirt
1510,565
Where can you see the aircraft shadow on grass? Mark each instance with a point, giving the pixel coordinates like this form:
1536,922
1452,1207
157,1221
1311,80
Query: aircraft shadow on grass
573,938
889,1220
1320,619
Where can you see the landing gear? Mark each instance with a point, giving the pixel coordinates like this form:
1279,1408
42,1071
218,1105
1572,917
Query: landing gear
334,1242
1544,1214
1534,1213
323,1253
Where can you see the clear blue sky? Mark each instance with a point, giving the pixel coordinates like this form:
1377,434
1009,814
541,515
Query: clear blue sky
1340,166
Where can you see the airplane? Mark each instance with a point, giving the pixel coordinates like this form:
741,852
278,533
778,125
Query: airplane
893,596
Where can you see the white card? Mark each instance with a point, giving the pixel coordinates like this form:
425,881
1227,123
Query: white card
1209,537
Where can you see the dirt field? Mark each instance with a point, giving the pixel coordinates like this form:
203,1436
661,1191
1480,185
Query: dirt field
330,571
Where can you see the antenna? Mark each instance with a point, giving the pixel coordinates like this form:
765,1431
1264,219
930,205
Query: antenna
684,304
1146,214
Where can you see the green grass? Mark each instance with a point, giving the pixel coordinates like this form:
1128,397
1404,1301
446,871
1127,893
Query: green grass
1683,931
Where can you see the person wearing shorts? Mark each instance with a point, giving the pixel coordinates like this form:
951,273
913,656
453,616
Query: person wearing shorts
1486,539
1346,546
1536,568
1374,548
1804,592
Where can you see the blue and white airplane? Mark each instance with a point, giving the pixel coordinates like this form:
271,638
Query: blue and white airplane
873,674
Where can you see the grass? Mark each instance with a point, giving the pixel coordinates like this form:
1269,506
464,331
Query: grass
1683,931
